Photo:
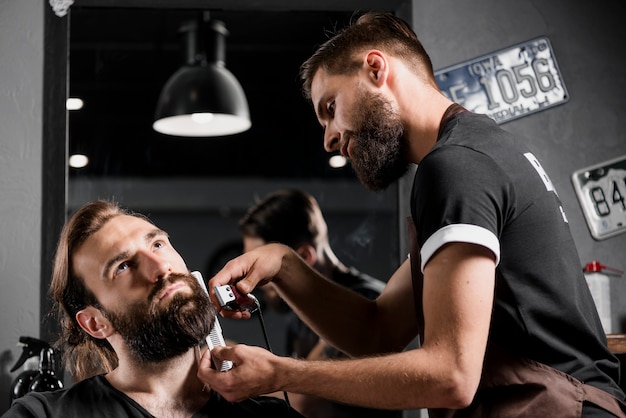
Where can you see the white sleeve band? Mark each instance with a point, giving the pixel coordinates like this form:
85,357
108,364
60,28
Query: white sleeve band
472,234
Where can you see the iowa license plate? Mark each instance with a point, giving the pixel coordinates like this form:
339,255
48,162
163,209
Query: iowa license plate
506,84
601,191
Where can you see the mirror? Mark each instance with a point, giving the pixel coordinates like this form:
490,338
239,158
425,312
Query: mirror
121,53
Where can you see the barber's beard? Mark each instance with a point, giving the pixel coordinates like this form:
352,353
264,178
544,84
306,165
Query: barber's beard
377,153
155,333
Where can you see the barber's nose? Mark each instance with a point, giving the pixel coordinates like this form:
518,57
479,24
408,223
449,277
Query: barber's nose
331,139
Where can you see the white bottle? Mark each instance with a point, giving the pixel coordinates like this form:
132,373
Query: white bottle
600,286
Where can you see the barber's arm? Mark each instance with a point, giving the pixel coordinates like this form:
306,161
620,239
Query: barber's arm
444,372
347,320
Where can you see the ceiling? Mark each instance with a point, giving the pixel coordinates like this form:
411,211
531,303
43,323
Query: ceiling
120,59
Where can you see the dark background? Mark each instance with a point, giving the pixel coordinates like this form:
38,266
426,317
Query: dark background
121,58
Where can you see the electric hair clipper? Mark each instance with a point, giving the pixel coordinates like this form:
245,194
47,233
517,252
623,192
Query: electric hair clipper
230,298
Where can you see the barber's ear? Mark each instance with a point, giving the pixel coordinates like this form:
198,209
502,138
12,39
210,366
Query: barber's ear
377,66
307,251
94,323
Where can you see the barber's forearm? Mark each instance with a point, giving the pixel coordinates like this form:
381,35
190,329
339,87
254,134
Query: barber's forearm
345,319
340,316
399,381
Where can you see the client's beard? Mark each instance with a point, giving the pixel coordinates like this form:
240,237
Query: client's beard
156,333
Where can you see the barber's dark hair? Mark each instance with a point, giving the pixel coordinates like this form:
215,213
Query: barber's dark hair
83,355
289,216
378,30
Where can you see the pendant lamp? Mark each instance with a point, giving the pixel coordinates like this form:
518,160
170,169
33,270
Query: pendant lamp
202,98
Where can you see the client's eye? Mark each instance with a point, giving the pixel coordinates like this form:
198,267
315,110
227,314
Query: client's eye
122,267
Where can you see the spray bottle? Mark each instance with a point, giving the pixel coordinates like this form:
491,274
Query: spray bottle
597,276
39,380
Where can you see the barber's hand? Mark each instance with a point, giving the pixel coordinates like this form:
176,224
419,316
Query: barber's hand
247,271
253,372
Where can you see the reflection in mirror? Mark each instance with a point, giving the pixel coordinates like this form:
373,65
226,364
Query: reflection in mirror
198,188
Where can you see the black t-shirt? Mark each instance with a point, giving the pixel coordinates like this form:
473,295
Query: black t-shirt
481,185
96,398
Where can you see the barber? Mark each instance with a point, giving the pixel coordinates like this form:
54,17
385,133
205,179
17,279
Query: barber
493,286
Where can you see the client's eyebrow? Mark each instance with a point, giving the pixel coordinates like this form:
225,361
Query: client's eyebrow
125,254
155,233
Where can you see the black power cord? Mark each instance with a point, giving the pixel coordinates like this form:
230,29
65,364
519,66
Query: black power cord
264,330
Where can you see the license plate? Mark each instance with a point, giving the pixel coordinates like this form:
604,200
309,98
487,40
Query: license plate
601,191
506,84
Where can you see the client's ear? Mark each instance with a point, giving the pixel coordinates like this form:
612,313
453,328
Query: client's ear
94,323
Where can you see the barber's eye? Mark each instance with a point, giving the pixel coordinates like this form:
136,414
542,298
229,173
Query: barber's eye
331,108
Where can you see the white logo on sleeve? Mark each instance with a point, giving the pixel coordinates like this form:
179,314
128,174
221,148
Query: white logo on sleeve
544,177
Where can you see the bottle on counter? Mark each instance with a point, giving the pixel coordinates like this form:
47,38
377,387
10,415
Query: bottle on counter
598,280
39,379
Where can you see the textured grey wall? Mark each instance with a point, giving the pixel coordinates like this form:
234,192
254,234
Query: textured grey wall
21,69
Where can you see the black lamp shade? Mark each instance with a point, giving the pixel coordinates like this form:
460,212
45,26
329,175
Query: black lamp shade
202,100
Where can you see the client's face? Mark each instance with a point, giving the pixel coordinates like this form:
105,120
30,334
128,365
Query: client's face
144,288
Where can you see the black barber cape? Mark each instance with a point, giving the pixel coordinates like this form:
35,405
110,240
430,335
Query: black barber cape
96,398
